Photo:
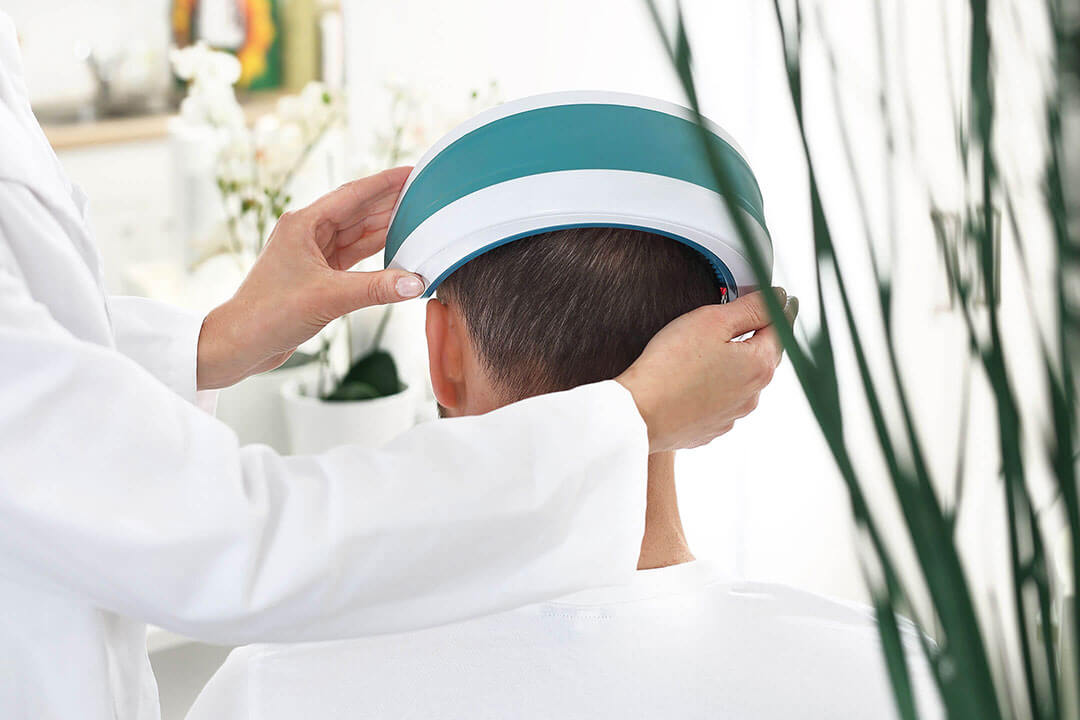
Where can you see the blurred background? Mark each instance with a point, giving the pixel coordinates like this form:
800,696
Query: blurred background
763,501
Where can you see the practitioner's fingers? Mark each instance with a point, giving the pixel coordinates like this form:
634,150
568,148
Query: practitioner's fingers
748,313
766,340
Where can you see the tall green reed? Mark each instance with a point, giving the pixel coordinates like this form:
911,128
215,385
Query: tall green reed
960,658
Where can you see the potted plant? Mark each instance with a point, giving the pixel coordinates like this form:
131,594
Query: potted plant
367,405
243,177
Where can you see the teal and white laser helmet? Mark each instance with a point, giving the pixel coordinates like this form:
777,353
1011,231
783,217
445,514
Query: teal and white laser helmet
575,159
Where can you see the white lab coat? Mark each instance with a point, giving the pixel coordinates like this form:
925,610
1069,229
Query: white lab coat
122,503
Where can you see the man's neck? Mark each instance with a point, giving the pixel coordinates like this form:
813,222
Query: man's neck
664,543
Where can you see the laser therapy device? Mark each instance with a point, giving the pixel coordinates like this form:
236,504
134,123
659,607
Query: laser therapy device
576,159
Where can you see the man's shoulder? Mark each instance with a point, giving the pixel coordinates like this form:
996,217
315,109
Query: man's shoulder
823,641
763,649
770,598
774,609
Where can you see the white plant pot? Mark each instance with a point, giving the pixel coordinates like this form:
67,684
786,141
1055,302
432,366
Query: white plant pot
315,425
254,407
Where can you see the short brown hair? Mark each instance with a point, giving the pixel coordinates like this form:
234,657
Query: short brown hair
575,306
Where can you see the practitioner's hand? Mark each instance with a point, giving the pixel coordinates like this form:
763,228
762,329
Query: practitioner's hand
302,281
693,381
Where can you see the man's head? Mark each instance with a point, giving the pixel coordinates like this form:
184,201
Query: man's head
555,311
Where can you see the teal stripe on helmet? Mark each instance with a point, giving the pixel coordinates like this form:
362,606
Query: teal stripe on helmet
570,137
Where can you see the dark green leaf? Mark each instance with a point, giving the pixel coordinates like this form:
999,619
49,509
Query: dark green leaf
377,370
895,656
355,390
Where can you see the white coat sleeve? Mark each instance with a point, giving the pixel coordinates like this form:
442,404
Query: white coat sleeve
162,338
117,490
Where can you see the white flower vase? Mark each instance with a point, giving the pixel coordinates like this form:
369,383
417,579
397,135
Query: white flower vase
315,425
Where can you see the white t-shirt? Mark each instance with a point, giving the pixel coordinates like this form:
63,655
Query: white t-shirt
679,642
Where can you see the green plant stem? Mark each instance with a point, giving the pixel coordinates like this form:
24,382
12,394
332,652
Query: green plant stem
1062,383
952,602
885,113
927,529
348,336
1018,502
962,667
376,341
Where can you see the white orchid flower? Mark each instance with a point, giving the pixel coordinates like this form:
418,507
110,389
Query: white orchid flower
201,65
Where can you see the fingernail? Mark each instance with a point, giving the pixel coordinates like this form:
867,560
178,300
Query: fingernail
409,286
781,294
791,309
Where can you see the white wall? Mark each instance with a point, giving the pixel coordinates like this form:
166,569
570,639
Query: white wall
444,50
55,34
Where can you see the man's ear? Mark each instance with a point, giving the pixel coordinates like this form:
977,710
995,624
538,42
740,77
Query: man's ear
445,359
